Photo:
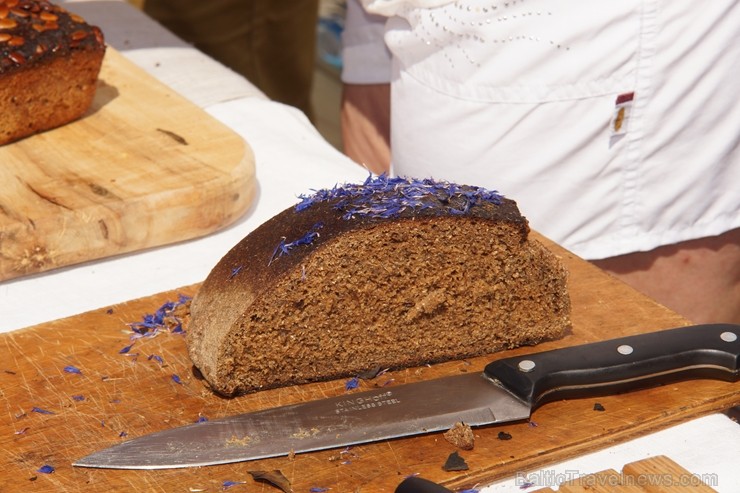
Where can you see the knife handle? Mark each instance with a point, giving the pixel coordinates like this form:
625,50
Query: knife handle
416,484
623,364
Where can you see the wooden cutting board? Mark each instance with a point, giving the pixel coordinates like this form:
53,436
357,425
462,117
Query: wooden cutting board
658,474
144,167
117,396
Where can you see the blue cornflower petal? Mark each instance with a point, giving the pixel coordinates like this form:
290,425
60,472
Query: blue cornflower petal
41,411
228,484
352,383
126,349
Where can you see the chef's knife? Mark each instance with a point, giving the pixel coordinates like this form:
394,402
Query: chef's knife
507,390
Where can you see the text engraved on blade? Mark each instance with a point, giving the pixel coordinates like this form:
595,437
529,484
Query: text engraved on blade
366,402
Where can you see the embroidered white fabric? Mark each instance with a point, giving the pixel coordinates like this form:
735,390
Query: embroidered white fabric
521,96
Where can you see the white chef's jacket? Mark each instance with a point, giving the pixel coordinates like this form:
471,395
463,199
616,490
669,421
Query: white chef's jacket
614,125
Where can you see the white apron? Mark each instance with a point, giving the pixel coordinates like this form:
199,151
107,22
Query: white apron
614,125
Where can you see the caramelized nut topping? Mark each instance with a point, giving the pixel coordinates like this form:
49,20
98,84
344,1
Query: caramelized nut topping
20,13
98,36
17,57
16,41
7,23
37,29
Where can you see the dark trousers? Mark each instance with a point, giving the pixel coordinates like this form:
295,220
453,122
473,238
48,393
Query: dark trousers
270,42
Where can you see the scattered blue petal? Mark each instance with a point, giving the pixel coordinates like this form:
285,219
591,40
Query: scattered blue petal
526,485
235,271
78,398
472,490
352,383
41,411
176,379
201,419
153,323
126,349
72,369
317,489
45,469
284,248
228,484
123,434
156,358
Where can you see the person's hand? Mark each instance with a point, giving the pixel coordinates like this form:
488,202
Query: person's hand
365,120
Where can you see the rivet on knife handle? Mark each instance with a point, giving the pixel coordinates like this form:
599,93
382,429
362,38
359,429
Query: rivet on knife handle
627,363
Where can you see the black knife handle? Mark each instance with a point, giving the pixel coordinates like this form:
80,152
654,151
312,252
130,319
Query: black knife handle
415,484
623,364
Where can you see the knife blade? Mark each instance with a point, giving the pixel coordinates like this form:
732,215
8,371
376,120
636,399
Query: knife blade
508,389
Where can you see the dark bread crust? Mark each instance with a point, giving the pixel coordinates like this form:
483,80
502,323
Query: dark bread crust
49,64
421,287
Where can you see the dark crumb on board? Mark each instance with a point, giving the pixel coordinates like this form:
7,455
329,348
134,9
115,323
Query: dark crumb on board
196,373
455,463
599,407
275,478
502,435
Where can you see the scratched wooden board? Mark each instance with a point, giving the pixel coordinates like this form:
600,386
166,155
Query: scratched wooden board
129,395
144,167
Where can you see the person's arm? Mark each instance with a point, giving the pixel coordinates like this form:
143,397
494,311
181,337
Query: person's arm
366,71
365,121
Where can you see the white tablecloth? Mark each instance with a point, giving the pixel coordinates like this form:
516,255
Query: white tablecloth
291,158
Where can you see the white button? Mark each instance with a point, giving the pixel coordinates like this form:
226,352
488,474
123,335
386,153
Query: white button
728,336
625,349
526,365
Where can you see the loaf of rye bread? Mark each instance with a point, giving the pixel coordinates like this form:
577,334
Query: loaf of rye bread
391,273
49,65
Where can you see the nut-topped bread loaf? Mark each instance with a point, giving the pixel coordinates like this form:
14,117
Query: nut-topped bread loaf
391,273
49,65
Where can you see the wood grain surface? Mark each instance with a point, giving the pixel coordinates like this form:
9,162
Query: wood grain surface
117,396
144,167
